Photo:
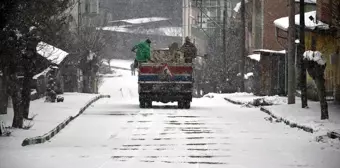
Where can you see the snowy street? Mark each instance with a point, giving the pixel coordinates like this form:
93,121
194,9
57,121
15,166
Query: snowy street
115,132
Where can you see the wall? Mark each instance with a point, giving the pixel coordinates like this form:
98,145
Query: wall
327,45
272,11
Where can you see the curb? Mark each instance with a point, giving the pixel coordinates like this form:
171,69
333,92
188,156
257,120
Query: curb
56,130
333,135
234,102
287,122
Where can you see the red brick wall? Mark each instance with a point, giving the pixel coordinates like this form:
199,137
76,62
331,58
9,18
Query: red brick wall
273,9
324,10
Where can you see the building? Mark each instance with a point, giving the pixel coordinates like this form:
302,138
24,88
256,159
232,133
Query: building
322,26
328,41
89,13
203,19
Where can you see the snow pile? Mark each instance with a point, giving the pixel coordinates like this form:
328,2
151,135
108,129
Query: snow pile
283,23
315,56
275,100
252,100
51,53
255,57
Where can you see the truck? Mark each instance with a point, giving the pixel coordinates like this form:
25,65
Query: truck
165,79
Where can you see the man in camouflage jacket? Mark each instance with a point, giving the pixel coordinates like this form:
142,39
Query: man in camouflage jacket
189,50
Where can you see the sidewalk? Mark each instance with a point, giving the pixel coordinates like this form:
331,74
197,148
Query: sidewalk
48,116
294,114
309,117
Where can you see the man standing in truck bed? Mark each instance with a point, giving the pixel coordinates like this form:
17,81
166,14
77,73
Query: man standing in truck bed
189,50
143,52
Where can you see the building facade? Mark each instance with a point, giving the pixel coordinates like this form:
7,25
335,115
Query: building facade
89,13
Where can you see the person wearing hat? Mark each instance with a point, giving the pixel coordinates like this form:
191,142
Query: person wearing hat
143,52
189,50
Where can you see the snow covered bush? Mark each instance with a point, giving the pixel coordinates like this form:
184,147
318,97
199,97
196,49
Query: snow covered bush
315,56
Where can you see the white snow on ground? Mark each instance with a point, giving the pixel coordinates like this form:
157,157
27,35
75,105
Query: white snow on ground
50,52
48,116
213,133
310,116
283,23
121,63
315,56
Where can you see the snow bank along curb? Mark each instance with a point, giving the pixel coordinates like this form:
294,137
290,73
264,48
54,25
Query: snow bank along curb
56,130
256,102
234,102
330,134
287,122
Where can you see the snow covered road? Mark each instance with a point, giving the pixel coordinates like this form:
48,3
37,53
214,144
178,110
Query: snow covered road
213,133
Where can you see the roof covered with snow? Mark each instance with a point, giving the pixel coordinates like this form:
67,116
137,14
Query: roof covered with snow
255,57
54,54
271,51
283,23
141,20
238,6
163,31
308,1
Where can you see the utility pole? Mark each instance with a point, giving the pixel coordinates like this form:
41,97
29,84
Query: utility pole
303,80
79,16
224,41
291,53
243,45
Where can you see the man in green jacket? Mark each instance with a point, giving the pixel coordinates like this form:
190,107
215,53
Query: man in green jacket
143,51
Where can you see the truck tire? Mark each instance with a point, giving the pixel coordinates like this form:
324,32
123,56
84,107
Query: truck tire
186,104
148,104
142,104
180,104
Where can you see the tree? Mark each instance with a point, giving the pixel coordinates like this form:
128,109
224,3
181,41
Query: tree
89,45
316,70
25,24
